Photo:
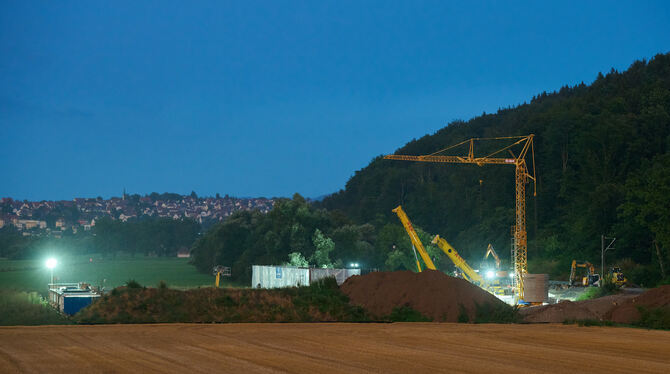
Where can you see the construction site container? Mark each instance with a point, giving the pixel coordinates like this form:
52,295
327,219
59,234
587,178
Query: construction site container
69,298
536,288
340,275
278,276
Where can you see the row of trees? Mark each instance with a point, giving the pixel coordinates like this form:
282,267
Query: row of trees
157,236
297,233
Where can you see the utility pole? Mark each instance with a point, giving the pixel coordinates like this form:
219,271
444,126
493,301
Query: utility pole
604,249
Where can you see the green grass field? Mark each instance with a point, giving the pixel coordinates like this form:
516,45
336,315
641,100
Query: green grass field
32,275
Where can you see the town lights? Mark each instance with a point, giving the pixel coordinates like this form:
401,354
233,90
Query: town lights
490,274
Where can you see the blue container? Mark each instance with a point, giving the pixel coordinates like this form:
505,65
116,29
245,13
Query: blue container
73,304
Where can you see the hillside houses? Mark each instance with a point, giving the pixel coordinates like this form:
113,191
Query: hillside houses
36,217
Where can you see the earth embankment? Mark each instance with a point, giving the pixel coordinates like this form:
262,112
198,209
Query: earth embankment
432,293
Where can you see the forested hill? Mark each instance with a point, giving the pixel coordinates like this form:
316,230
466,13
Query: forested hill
603,166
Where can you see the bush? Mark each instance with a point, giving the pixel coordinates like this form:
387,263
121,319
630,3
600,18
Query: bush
654,318
495,313
407,314
27,308
131,283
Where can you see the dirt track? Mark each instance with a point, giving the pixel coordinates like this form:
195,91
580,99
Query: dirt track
320,348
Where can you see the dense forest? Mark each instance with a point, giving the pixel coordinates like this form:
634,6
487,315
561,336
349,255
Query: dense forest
602,153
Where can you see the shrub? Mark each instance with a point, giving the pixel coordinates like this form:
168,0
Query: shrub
654,318
131,283
495,313
407,314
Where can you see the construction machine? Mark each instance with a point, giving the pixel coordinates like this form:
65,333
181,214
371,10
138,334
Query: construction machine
616,276
590,279
414,238
468,272
219,271
522,175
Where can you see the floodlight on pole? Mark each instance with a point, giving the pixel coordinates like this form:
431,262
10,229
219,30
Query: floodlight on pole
51,264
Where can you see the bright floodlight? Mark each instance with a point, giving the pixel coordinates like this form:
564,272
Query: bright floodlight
490,274
51,263
511,275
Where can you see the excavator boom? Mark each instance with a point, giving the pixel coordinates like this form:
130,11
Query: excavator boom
492,252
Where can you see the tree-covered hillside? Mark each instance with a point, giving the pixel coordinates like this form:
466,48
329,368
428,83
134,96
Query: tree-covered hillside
602,155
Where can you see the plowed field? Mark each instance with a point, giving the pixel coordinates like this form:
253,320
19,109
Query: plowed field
333,348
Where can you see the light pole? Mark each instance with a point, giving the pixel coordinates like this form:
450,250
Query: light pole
51,264
604,249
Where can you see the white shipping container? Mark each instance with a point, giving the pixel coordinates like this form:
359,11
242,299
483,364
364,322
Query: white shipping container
278,276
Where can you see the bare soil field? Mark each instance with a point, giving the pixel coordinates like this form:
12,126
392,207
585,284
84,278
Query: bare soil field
332,348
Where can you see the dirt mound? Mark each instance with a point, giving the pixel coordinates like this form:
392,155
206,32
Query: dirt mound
628,312
432,293
616,308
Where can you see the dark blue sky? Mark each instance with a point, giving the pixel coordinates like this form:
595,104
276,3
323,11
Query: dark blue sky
271,98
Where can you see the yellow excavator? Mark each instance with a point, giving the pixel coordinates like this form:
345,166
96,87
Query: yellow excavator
492,252
590,279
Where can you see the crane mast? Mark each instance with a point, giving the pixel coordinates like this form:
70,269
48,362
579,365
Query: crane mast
522,175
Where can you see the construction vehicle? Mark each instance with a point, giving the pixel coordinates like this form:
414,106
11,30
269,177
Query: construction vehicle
219,271
522,176
494,286
468,273
492,252
590,279
616,276
414,238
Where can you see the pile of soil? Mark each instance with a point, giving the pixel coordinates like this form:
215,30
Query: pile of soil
432,293
628,312
616,308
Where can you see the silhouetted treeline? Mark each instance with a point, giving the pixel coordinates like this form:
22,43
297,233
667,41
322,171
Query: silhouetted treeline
158,236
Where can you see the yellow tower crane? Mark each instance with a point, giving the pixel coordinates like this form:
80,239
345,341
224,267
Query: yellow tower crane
522,175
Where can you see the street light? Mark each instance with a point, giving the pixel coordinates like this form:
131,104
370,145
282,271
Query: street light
51,264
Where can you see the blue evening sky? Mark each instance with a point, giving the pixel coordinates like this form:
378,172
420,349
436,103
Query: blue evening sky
268,98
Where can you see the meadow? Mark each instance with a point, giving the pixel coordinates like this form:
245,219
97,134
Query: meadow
33,276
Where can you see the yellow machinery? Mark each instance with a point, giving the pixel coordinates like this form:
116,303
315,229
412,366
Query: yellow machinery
469,273
416,243
218,271
522,175
591,278
616,276
492,252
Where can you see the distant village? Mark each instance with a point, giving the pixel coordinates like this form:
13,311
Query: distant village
55,218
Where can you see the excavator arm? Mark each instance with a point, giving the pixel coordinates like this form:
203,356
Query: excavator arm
416,243
460,263
493,253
